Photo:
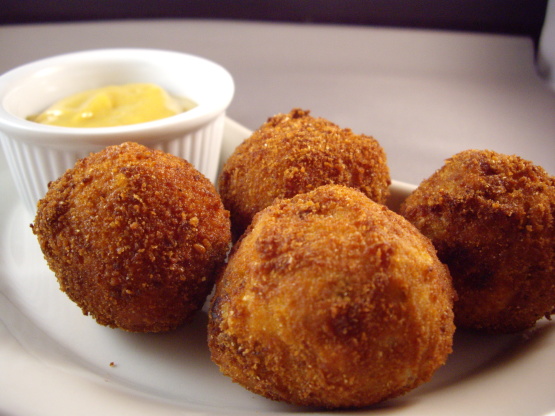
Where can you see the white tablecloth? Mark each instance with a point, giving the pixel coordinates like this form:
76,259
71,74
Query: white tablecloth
425,95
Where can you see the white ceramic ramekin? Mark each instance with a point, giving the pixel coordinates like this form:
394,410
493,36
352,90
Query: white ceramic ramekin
37,153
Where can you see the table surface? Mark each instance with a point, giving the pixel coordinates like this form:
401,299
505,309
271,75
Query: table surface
424,95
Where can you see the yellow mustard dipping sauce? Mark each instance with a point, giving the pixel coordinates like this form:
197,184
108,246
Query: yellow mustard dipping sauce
115,105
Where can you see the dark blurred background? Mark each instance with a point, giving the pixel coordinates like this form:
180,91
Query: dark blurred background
515,17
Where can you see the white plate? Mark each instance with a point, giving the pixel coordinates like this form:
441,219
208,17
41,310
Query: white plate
56,361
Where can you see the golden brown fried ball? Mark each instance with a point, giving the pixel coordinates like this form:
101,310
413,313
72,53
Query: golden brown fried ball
331,300
134,237
492,219
295,153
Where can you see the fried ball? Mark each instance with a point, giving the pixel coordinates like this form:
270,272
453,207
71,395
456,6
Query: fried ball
295,153
491,218
134,236
331,300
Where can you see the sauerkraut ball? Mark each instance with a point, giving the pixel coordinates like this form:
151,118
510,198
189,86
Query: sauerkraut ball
135,237
491,218
331,300
295,153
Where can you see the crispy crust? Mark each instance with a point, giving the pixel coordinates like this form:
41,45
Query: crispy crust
134,237
492,219
332,300
295,153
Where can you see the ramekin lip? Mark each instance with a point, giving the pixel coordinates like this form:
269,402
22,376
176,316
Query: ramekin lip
187,121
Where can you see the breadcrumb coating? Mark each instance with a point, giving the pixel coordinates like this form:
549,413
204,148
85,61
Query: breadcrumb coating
134,236
492,219
331,300
295,153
